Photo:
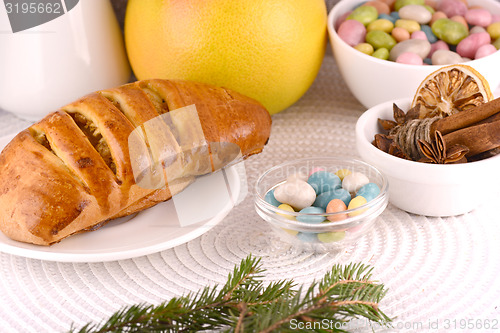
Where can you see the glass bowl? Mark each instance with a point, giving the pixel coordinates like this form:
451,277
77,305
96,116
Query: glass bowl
347,226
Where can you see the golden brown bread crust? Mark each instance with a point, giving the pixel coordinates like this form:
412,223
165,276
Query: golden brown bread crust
72,172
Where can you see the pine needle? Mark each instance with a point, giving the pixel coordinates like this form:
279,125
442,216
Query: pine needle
245,304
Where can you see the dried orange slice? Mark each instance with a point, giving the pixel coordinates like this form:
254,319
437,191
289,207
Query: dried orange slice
451,89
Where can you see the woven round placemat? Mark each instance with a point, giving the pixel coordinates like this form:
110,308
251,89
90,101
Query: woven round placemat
439,271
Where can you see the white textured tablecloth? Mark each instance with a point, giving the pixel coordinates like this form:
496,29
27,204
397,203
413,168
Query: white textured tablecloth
438,270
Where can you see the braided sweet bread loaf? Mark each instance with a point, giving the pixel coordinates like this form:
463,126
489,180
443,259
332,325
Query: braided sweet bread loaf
74,170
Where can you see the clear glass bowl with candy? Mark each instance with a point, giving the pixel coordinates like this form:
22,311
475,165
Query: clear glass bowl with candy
323,203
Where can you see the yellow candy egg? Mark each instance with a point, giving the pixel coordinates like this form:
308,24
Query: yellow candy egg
355,203
408,25
366,49
344,172
288,208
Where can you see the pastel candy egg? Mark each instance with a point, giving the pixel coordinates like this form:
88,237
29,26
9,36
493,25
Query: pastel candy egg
470,44
352,32
380,39
288,208
297,194
330,237
429,7
436,16
314,219
381,7
478,16
494,30
418,35
417,46
476,29
428,33
416,13
484,51
336,206
354,181
380,24
439,45
307,237
365,48
449,31
363,14
496,44
381,53
461,20
357,202
400,34
342,173
369,191
395,15
401,3
270,199
409,58
324,198
446,57
290,231
323,181
387,17
409,25
452,7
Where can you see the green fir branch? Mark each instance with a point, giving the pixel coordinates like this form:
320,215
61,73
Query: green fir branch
245,304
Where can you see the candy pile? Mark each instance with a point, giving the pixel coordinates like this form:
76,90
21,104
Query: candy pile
421,32
320,192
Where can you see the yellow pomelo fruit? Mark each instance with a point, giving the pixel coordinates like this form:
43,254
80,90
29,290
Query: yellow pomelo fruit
270,50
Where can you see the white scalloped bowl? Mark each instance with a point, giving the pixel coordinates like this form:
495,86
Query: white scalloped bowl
373,81
422,188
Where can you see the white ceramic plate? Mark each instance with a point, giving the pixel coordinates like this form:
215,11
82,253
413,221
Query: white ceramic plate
190,214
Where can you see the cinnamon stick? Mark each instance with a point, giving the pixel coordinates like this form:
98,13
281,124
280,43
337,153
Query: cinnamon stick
478,138
466,118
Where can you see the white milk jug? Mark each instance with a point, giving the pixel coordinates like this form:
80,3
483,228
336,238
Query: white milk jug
53,52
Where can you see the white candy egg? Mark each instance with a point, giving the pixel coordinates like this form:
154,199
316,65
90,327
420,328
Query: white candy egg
297,193
354,181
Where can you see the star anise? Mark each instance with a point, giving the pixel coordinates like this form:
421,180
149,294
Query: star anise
400,117
437,152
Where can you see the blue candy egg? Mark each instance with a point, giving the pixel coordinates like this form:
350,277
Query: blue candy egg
368,191
323,199
395,15
324,181
428,33
270,199
307,237
311,219
387,17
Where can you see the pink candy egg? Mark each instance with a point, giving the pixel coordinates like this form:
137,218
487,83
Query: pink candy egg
352,32
478,16
419,34
409,58
485,50
470,44
452,7
439,45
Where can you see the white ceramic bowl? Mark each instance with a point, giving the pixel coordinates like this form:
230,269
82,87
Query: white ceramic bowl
373,81
421,188
308,236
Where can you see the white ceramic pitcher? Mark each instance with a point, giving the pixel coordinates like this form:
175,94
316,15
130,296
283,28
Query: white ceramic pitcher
47,66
